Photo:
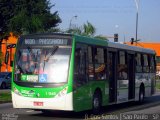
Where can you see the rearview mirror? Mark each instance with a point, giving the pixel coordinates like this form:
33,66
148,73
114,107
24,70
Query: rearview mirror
11,63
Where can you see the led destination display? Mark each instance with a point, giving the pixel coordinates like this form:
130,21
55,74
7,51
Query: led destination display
45,41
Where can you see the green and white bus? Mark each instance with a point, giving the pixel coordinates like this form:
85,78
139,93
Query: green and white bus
76,73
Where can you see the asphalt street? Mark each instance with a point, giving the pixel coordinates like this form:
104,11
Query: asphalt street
150,106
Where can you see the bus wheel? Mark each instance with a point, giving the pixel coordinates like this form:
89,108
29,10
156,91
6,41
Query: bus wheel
96,103
141,95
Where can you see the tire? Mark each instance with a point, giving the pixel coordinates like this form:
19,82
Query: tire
141,95
96,103
3,85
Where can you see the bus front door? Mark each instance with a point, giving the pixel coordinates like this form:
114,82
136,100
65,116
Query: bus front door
112,76
131,74
81,92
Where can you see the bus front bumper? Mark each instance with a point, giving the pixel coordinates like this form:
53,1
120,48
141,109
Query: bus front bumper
60,103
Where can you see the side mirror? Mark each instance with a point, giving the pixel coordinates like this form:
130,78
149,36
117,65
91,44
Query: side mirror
11,63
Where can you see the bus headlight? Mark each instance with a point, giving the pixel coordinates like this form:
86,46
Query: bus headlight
17,92
62,92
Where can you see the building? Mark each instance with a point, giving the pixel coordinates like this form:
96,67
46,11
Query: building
7,67
155,46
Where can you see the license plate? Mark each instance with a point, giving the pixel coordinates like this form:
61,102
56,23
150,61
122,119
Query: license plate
38,103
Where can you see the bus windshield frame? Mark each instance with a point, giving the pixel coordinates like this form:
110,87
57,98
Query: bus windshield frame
45,55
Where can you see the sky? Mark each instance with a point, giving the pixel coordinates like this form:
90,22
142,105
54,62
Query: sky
112,16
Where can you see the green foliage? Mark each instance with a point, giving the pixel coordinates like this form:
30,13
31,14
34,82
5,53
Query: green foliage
89,29
76,30
54,30
5,97
27,16
6,13
101,37
86,30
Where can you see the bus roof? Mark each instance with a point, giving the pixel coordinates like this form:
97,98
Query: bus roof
47,35
108,43
132,48
94,41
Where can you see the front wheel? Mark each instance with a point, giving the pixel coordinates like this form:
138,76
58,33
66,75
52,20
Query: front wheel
96,103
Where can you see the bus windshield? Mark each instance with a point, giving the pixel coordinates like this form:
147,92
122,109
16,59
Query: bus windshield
42,64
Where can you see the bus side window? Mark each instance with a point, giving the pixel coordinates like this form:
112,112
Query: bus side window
80,66
152,64
122,66
138,63
90,66
100,67
145,63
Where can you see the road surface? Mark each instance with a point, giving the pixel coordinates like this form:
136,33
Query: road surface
124,111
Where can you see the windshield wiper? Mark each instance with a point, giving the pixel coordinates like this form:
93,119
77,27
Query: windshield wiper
47,58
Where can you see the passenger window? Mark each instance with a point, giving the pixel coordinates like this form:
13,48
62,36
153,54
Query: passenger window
100,67
138,63
158,64
145,63
122,66
90,63
152,64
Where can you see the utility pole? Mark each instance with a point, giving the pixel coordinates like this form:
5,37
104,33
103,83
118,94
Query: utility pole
137,7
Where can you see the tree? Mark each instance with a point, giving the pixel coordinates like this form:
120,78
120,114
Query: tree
75,30
6,13
89,29
26,16
86,30
101,37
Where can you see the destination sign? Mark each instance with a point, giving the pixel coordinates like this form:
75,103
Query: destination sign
47,41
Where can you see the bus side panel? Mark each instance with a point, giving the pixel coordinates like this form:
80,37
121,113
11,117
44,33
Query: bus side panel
84,89
147,83
103,86
82,98
147,79
71,69
153,83
137,85
81,95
